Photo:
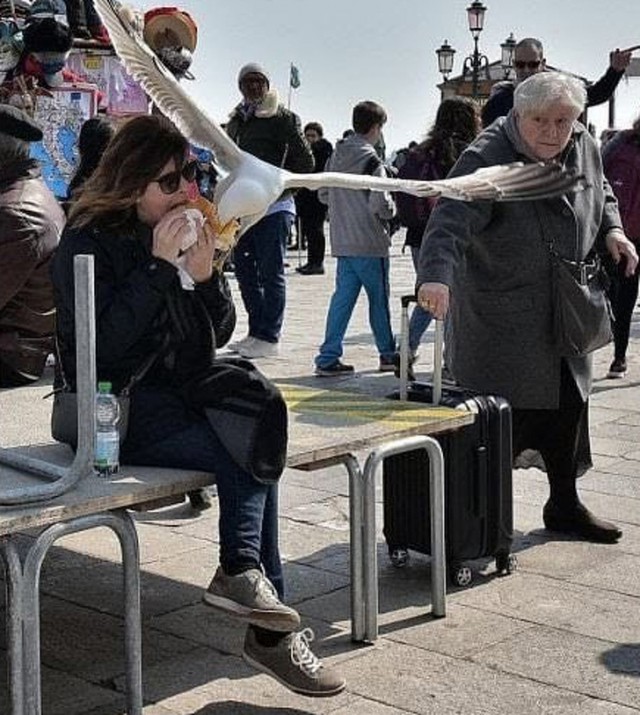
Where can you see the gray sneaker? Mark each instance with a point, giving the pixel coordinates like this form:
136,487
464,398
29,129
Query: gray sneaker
251,597
293,664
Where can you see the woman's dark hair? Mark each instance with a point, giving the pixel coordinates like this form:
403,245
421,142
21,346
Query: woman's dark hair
456,126
134,157
94,136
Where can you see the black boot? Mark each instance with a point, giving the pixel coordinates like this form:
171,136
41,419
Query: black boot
200,499
578,520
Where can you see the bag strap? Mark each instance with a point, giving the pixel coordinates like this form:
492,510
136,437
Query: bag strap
372,164
137,375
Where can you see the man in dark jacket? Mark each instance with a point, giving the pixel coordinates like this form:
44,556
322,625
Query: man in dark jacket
528,59
261,126
311,211
31,222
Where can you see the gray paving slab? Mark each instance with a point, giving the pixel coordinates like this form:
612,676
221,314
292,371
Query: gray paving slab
534,598
206,678
430,683
579,664
67,694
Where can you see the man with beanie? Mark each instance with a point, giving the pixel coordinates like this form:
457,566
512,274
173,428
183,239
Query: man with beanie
31,222
261,126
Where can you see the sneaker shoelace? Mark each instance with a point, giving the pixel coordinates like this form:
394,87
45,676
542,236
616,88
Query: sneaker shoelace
267,590
301,654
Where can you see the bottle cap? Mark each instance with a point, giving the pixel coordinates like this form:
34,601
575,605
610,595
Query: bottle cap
104,387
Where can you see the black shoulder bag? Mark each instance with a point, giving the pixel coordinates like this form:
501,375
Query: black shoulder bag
581,312
64,415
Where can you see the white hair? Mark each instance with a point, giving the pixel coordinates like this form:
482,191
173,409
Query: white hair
544,89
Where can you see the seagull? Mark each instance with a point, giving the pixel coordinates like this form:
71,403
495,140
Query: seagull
249,185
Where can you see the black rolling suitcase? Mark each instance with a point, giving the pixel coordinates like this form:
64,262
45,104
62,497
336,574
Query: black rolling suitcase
478,478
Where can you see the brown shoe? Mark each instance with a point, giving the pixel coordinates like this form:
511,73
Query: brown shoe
251,597
293,664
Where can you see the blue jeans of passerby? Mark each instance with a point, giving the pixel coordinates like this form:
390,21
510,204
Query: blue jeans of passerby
420,318
352,274
164,432
259,265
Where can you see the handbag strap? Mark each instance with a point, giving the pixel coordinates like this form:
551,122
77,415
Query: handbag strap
137,375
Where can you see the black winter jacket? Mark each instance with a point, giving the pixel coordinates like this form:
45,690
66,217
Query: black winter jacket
501,101
140,306
273,135
308,205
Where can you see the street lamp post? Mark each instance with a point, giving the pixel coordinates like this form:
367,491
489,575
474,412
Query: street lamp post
508,48
445,59
476,63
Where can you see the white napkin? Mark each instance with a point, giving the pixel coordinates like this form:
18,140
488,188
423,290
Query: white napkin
195,220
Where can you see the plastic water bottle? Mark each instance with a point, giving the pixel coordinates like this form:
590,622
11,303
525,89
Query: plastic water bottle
107,416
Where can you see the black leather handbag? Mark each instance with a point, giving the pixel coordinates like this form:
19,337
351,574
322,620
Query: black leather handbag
581,313
64,414
64,417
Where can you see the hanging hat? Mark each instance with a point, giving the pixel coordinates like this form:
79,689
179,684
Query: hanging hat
18,124
170,27
253,68
55,9
47,35
10,49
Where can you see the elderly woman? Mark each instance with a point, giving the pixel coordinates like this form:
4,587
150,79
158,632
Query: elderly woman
491,264
163,307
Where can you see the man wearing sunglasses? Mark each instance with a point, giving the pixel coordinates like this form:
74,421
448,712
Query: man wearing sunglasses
528,59
261,126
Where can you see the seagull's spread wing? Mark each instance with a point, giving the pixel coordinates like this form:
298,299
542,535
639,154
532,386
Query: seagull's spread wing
145,67
506,182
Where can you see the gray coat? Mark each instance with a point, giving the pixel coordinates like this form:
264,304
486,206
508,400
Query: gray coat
495,259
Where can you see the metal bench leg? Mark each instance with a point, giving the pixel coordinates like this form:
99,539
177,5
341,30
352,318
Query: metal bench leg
436,512
13,589
122,524
355,547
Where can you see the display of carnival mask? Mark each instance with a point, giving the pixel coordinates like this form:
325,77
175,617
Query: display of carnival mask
10,47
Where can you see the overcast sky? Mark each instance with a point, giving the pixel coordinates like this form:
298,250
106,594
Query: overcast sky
350,50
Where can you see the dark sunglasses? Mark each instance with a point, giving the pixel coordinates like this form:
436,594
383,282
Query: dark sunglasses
169,183
532,65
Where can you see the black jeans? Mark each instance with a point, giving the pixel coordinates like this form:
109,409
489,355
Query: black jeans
312,231
623,293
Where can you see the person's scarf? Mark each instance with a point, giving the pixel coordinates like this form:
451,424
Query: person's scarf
513,134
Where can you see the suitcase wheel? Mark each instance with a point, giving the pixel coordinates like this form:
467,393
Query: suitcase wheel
506,563
460,575
399,557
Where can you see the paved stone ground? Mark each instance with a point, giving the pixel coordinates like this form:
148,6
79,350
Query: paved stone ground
559,636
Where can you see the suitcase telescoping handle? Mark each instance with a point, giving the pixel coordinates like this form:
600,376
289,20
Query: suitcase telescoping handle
406,300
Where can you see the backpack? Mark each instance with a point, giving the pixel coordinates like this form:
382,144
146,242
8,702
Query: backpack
622,169
412,210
